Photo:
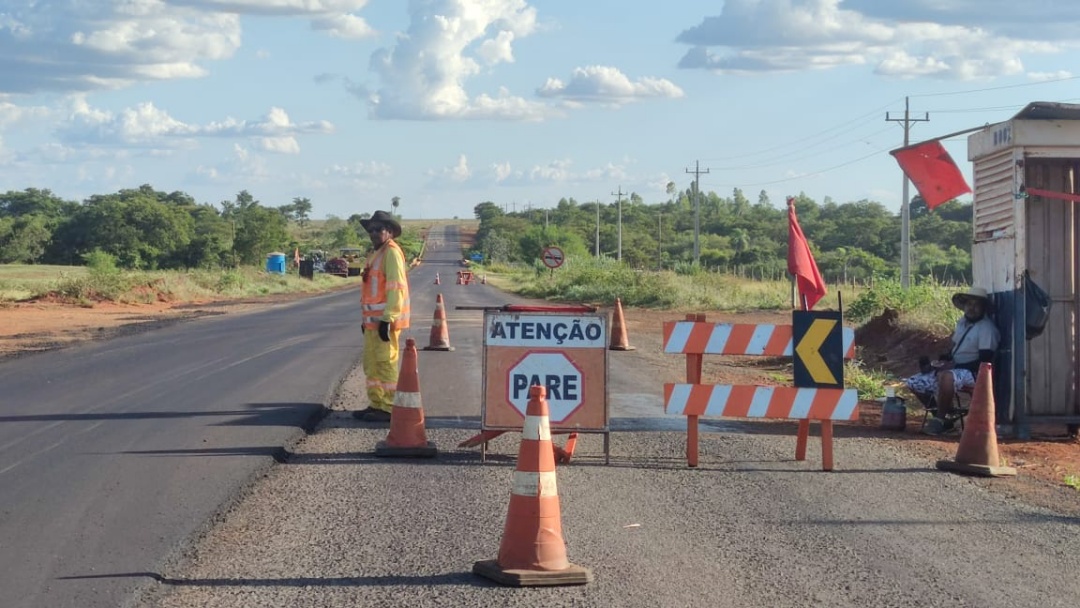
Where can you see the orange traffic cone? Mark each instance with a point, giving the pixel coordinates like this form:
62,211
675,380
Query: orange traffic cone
977,453
618,329
440,334
407,436
437,281
532,552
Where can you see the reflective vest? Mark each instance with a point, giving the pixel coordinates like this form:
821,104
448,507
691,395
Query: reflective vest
378,294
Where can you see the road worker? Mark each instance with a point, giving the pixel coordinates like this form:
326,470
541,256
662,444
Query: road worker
384,301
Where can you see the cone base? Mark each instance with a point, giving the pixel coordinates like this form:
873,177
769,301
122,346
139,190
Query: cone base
420,451
979,470
621,348
444,349
574,575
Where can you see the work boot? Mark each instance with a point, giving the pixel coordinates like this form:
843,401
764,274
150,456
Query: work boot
374,415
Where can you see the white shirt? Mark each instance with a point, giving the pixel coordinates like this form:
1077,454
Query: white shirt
983,336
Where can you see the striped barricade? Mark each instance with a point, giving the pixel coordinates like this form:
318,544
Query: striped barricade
696,338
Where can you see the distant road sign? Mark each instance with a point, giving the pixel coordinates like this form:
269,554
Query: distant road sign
553,257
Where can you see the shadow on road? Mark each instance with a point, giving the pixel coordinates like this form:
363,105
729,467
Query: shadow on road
450,578
255,414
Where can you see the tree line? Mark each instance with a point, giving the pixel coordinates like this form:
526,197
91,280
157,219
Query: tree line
851,241
143,228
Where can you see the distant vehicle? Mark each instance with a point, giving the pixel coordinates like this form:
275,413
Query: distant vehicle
354,258
337,266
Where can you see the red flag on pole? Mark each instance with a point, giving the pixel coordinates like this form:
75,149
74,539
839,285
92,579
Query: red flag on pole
800,261
932,170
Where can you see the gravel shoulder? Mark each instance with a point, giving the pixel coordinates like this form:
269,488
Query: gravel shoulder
334,526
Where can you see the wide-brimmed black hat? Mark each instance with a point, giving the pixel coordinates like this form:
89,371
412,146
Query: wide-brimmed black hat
384,218
972,293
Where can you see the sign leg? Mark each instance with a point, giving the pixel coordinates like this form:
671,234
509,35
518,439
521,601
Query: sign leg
826,445
607,448
800,441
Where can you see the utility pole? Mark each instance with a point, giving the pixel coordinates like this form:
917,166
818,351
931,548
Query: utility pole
697,210
660,240
905,204
620,193
598,229
547,220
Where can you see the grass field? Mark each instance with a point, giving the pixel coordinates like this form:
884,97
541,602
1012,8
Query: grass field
22,281
81,285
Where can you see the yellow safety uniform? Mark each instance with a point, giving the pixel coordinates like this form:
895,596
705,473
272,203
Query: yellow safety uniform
384,297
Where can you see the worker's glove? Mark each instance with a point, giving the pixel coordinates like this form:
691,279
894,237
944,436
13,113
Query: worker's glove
384,331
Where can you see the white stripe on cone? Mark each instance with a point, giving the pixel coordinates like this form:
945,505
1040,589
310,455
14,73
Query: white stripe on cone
535,484
410,400
537,428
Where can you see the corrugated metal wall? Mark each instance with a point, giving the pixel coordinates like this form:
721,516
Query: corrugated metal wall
1052,227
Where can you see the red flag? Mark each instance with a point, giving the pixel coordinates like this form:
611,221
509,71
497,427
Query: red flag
800,261
932,170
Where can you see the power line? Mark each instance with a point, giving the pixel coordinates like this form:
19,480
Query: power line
858,120
697,210
1003,87
786,158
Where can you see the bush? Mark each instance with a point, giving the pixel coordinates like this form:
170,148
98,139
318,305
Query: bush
927,303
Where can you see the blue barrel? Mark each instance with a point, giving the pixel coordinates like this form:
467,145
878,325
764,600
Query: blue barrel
275,263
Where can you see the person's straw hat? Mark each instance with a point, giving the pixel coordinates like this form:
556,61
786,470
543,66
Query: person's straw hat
961,299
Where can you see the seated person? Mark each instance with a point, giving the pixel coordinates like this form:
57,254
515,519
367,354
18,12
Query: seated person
975,341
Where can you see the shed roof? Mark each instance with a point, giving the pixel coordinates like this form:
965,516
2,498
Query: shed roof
1049,110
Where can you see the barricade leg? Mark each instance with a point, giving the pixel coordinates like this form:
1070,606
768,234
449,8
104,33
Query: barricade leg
826,445
693,376
801,439
691,441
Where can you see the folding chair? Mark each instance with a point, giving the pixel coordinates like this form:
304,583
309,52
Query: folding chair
961,406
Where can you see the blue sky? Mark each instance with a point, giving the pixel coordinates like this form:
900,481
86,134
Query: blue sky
448,103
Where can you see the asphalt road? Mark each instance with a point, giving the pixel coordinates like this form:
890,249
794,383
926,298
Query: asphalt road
333,526
114,453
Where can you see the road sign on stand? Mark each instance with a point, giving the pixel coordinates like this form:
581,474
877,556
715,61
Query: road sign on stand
564,352
552,257
818,337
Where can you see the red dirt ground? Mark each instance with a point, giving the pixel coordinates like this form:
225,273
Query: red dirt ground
1042,463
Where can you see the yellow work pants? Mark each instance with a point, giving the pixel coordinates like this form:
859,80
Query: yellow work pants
381,368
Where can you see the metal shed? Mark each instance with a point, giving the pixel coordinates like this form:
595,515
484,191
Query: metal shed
1025,219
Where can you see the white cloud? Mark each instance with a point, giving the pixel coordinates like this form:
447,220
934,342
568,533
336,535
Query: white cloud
608,84
240,167
149,126
343,26
76,45
458,173
16,115
1045,76
559,171
360,169
280,145
787,35
423,75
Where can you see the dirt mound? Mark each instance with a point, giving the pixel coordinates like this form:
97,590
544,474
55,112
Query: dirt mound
886,343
